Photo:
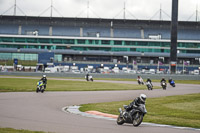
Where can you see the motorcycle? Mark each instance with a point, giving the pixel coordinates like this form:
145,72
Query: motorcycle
89,78
40,87
140,82
134,116
164,85
149,86
172,83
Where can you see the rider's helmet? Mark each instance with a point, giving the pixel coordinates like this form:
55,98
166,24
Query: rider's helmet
44,76
163,77
148,78
143,97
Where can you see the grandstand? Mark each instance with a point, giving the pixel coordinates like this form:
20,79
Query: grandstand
96,40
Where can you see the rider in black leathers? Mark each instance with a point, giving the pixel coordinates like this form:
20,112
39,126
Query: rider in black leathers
87,76
136,102
149,80
44,80
163,80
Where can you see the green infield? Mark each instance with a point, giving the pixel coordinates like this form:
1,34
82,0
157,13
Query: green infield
182,110
22,84
11,130
110,79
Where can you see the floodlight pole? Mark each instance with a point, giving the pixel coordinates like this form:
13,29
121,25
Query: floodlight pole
174,26
160,12
51,14
124,10
88,8
15,8
197,14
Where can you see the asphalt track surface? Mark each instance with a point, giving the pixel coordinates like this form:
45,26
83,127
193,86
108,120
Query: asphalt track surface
43,112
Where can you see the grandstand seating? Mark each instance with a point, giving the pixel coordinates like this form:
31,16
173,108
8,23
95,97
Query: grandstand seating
93,31
8,29
42,29
127,32
189,34
165,33
90,29
66,31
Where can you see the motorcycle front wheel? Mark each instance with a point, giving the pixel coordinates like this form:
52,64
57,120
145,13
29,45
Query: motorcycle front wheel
164,87
138,118
37,90
120,120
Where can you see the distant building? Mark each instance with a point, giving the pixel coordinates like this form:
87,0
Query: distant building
96,40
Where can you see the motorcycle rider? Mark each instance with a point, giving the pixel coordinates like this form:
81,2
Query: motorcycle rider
149,80
140,80
87,76
170,80
136,102
44,80
163,80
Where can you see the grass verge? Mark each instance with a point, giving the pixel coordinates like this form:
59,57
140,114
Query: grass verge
18,84
113,79
182,110
11,130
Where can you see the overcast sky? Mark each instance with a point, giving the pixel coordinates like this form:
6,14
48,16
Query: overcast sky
135,9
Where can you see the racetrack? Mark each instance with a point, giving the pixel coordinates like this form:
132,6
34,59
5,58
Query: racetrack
43,112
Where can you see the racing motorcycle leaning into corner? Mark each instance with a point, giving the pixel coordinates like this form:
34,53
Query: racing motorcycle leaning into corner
171,82
89,78
40,86
149,86
163,83
133,113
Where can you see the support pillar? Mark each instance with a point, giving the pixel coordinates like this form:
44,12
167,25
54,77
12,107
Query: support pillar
174,26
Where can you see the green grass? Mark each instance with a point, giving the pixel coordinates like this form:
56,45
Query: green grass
11,130
116,79
18,84
172,110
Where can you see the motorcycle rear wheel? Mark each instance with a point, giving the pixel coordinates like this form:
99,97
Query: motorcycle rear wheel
120,120
137,121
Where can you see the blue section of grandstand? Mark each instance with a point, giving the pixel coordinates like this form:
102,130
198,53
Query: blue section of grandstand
45,57
118,32
93,31
28,29
8,29
165,33
66,31
189,34
127,33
